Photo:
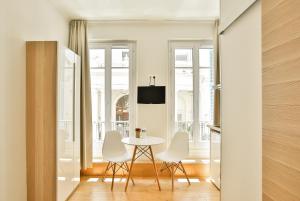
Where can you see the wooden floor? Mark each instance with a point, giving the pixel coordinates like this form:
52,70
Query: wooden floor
144,190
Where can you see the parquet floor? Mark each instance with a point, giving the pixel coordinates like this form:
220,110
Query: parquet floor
93,189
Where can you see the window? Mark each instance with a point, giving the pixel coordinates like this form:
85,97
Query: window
192,90
112,85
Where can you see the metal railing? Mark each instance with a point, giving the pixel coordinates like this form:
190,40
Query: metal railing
204,130
67,127
99,129
188,127
121,126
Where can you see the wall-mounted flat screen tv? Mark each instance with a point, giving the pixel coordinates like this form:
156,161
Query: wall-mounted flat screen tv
151,95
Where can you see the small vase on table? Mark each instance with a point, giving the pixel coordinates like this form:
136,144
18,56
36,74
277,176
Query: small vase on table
137,132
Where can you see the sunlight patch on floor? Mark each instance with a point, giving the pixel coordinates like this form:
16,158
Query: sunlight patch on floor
92,179
115,180
191,180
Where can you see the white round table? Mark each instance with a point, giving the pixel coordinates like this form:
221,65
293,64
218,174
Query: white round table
142,147
145,141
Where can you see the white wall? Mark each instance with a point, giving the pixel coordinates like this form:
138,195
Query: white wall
241,108
21,21
152,58
231,9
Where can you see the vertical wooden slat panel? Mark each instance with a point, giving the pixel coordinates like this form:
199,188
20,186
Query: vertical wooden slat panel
41,70
281,95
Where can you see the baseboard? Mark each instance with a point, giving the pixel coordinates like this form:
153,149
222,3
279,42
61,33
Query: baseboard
197,170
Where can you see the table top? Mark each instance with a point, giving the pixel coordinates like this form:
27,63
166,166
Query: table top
145,141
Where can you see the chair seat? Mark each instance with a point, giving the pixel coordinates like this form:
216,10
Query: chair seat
118,158
168,157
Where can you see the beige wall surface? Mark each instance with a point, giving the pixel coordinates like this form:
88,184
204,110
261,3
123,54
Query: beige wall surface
152,58
21,21
241,108
230,10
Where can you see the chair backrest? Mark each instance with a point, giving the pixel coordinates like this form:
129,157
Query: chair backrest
179,146
112,145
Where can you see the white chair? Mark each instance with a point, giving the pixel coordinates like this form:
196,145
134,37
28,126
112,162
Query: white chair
176,152
115,152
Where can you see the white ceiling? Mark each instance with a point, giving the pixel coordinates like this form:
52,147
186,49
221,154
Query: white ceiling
139,9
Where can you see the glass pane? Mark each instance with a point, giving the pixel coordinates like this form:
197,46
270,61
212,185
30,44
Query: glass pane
98,110
66,107
184,100
97,58
206,101
65,120
183,57
120,101
205,57
120,57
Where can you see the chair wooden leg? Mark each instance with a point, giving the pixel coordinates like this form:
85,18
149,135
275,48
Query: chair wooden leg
170,172
184,172
172,175
161,169
164,167
122,168
113,178
106,169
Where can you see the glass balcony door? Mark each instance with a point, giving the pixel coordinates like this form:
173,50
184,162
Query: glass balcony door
113,89
192,90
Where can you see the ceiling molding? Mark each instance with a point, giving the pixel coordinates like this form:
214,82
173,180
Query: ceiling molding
154,21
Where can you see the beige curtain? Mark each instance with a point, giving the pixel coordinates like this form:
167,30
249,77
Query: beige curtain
217,98
78,43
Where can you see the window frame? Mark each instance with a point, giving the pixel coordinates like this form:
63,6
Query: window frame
108,46
195,45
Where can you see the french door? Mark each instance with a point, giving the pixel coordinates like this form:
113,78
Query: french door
191,72
113,90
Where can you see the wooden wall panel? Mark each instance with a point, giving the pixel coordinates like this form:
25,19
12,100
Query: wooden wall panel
41,70
281,99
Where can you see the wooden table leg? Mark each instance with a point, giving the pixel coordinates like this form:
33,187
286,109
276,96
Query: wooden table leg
131,165
127,167
154,166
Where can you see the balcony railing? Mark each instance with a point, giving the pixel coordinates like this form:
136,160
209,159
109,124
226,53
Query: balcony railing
99,129
188,127
121,126
67,127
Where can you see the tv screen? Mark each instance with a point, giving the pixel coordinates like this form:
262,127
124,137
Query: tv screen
151,95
